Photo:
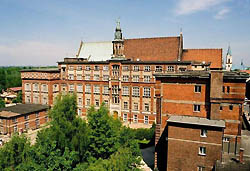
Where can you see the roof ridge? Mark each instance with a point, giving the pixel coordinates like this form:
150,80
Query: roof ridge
204,49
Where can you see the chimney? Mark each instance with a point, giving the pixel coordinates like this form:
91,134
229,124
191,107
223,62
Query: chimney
180,47
241,155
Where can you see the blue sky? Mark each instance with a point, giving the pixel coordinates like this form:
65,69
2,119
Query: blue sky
35,32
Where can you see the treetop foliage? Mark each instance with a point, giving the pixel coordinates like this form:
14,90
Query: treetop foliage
71,143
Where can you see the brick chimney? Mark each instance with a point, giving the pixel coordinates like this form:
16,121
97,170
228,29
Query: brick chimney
241,155
216,84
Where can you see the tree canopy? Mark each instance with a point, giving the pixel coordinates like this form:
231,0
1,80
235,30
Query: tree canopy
71,143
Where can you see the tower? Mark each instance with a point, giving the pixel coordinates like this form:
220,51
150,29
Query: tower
118,42
229,59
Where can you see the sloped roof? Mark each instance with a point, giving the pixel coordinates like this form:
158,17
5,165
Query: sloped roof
152,49
24,108
208,55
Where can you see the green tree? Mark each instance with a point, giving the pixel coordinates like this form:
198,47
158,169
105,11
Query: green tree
105,132
18,99
2,103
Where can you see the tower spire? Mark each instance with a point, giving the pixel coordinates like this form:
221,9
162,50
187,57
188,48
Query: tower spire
229,59
118,42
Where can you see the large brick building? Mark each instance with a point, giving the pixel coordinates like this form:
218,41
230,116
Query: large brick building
210,97
22,117
125,82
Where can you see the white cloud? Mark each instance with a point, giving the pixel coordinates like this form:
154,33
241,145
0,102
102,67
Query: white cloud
221,14
32,53
185,7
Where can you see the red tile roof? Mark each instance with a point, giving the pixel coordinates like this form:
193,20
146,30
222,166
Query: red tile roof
15,88
152,49
247,71
208,55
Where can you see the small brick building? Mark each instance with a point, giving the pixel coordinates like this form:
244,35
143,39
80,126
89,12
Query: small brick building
22,117
193,143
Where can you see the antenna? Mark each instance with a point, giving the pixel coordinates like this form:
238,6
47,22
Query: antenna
79,50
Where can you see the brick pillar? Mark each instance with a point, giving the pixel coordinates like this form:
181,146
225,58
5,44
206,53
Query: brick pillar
158,117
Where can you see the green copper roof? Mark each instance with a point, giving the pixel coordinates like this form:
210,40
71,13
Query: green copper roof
229,51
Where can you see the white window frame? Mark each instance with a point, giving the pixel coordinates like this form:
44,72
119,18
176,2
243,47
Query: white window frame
87,88
146,91
136,91
106,89
136,78
136,106
136,68
125,68
125,78
96,89
197,88
147,78
79,68
135,118
147,68
79,88
125,90
146,120
96,67
125,105
105,77
87,77
125,117
79,76
71,76
97,102
87,68
71,87
197,108
88,102
202,151
146,107
96,77
171,68
105,68
158,68
203,133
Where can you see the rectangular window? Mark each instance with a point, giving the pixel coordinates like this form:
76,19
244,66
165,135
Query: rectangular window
136,68
105,77
228,89
146,119
71,68
202,151
147,78
203,133
79,76
96,77
26,125
45,100
136,91
197,108
125,117
87,102
106,102
115,89
146,68
87,68
223,89
135,118
105,68
14,120
79,88
35,87
125,90
125,68
55,87
87,77
71,76
146,107
231,107
27,86
146,91
125,105
158,68
15,128
200,168
125,78
71,87
105,89
135,78
80,101
26,117
97,102
79,111
226,139
135,106
79,68
197,88
170,68
221,108
97,68
45,88
88,88
96,89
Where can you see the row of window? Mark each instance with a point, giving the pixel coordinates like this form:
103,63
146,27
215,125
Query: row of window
125,78
147,68
135,106
26,124
26,118
135,118
44,87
